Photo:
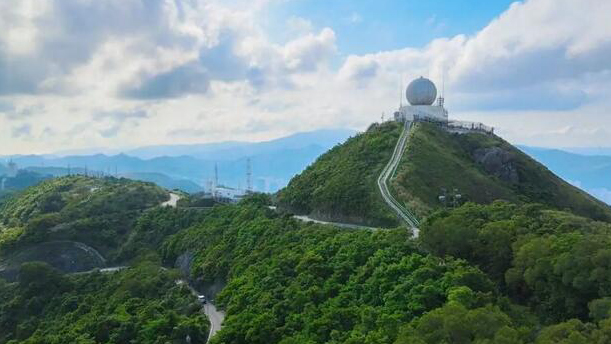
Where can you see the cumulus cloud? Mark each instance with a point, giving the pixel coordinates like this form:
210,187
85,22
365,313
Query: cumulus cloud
534,56
43,40
131,72
308,52
185,79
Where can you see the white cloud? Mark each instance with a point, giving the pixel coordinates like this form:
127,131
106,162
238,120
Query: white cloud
307,52
204,70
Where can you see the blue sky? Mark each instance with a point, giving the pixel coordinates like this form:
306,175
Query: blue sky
123,73
369,26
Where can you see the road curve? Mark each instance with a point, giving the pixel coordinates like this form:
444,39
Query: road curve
305,218
172,201
215,317
388,172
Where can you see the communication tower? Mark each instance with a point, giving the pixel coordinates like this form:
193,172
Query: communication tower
248,175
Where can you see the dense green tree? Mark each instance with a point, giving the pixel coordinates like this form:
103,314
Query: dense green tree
142,304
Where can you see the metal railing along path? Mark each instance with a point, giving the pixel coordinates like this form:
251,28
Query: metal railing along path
388,172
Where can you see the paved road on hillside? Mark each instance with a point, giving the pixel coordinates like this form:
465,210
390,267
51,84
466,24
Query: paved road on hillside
388,172
172,201
214,315
216,318
336,224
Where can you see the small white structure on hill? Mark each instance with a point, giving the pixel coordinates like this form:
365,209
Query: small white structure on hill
421,94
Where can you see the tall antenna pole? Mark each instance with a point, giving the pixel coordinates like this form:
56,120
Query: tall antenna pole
441,99
248,176
216,175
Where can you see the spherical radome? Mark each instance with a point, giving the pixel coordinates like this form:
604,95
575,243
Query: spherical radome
421,91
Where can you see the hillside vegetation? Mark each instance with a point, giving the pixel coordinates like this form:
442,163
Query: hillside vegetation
91,212
290,282
483,169
492,273
136,305
499,273
341,184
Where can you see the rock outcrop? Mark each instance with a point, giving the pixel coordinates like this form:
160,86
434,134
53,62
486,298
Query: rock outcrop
498,162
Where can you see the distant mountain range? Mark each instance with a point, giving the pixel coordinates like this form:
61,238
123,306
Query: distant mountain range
592,173
191,167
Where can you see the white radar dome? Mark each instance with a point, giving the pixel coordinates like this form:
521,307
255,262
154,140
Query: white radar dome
421,91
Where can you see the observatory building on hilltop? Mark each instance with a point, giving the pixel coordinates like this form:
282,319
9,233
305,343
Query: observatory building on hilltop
421,94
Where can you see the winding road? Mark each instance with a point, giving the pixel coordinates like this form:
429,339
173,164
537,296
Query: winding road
172,202
305,218
215,316
388,172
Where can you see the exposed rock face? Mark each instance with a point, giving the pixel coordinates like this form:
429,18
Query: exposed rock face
498,162
183,263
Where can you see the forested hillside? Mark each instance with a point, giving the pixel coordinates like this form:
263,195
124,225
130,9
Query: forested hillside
496,273
138,305
341,184
78,223
499,273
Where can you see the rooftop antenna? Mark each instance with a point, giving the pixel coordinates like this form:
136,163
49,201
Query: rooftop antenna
441,99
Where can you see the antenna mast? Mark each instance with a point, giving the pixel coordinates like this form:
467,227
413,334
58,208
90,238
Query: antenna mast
216,175
441,99
248,176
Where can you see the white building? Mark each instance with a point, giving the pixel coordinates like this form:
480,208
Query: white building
230,194
421,94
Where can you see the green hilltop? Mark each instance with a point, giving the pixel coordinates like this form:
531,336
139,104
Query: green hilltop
341,184
77,223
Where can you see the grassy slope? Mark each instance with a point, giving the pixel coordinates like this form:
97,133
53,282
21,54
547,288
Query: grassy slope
435,159
341,184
